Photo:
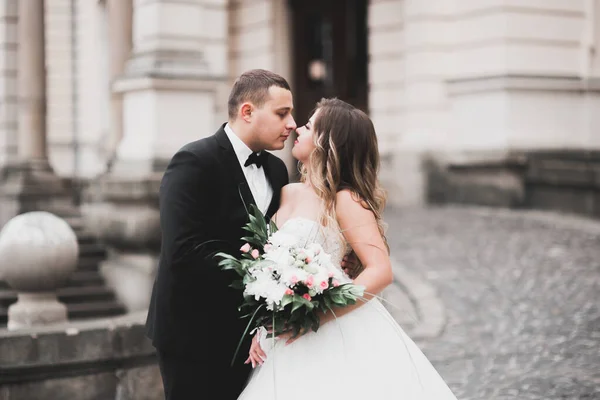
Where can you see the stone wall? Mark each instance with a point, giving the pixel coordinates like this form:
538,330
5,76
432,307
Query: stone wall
100,359
565,181
480,78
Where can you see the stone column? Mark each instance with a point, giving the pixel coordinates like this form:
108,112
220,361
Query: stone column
178,64
177,70
120,30
595,38
8,82
32,84
30,183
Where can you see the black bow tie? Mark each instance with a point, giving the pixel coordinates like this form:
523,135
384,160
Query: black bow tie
256,158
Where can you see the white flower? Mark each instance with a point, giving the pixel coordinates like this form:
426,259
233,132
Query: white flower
279,255
282,239
267,287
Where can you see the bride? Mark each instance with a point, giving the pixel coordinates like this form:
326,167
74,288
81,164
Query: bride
359,352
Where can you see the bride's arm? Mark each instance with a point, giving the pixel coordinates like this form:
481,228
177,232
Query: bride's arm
361,231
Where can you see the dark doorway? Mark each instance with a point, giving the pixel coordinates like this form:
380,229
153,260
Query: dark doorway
330,55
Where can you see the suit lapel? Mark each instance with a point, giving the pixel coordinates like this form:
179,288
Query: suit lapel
232,162
276,181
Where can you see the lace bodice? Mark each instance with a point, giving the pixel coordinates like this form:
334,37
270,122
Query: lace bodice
311,231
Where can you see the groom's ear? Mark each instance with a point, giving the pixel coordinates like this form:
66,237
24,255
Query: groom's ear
246,111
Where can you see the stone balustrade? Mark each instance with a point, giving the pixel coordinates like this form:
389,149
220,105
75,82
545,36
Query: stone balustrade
98,359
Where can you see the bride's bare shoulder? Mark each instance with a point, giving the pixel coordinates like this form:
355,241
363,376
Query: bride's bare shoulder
291,189
349,205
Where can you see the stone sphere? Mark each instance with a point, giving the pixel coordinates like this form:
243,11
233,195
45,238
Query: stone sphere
38,252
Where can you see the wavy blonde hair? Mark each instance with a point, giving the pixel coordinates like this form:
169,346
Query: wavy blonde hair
346,157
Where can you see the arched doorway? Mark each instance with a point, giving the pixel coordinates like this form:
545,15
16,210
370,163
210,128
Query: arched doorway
330,53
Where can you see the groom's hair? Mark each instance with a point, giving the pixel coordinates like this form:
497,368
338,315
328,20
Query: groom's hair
253,86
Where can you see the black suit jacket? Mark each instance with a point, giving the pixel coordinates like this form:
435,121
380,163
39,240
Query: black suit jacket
204,197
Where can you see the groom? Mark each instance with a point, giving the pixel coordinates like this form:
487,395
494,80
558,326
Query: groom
193,319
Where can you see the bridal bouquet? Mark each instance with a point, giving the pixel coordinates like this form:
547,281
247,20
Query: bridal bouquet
286,283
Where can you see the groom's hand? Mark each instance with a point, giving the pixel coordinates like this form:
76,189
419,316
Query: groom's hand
352,265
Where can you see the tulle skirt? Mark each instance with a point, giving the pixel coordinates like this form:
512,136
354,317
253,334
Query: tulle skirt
362,355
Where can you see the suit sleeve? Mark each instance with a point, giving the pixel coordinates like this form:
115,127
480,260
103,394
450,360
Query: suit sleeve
187,225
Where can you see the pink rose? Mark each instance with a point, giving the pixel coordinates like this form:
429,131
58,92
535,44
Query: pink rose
255,254
306,296
294,279
309,281
331,274
289,292
308,260
245,248
268,247
324,285
335,283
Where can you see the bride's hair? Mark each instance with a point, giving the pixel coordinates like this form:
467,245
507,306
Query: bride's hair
346,157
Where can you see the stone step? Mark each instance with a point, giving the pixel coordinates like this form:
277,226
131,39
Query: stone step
67,295
84,237
89,263
95,309
85,278
92,250
78,311
75,222
89,277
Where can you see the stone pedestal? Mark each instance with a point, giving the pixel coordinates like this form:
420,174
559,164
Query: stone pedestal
35,309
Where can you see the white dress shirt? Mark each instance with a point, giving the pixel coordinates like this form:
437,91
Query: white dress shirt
257,180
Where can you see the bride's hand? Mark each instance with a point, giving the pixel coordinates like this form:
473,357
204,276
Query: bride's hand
256,354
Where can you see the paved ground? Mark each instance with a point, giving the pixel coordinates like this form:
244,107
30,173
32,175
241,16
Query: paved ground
505,304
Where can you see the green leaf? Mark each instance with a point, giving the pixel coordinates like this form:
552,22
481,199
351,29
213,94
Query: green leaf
225,255
273,227
287,299
238,285
297,303
305,302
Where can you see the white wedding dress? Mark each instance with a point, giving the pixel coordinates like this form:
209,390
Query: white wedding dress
363,355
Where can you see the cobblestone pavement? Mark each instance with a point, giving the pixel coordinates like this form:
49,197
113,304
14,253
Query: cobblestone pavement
521,297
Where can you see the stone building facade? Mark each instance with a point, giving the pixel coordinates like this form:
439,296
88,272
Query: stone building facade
487,101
